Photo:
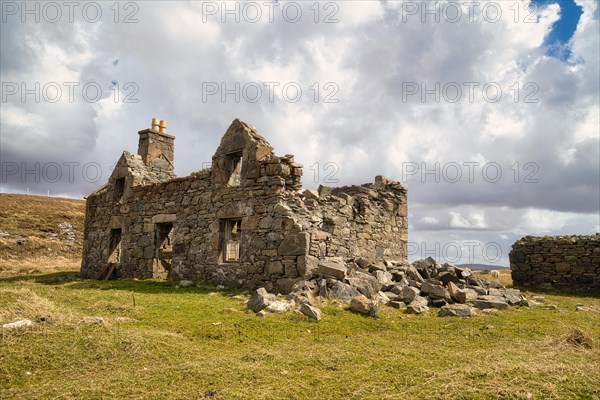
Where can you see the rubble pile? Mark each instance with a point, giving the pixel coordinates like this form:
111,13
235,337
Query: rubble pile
414,288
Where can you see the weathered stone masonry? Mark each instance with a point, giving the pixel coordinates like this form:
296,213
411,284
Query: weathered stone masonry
242,222
568,262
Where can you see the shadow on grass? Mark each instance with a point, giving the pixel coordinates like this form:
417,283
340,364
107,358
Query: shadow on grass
70,280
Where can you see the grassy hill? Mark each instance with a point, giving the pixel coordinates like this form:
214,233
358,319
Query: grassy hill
157,341
39,234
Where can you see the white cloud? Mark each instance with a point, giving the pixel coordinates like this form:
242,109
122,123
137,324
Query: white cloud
429,220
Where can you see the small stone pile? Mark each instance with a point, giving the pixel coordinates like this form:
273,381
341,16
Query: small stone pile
413,287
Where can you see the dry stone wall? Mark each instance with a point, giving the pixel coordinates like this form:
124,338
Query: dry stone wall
561,262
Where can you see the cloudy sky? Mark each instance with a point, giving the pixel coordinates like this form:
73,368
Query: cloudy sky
487,111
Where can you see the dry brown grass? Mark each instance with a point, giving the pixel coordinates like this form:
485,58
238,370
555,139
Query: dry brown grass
577,337
23,303
31,240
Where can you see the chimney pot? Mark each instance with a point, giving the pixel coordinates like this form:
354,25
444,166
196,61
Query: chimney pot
154,125
163,126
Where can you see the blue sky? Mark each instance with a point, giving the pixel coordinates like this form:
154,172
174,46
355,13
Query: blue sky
563,29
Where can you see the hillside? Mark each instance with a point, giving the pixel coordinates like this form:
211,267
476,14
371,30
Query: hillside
40,234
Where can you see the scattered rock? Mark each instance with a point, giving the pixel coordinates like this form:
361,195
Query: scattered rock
262,314
488,301
336,269
185,283
365,283
456,310
413,274
311,312
381,298
581,307
279,307
466,295
416,308
447,278
260,299
453,290
408,294
437,302
361,304
311,194
513,296
22,323
530,303
397,304
434,290
343,291
383,277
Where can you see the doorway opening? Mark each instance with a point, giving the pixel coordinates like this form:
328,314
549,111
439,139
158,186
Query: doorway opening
163,250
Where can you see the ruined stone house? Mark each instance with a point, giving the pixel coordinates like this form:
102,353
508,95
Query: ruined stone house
243,222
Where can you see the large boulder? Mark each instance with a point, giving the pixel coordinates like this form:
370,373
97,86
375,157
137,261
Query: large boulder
413,274
416,307
407,294
343,291
466,295
435,290
365,283
513,296
426,267
447,277
311,312
361,304
456,310
280,306
488,301
383,277
365,306
332,267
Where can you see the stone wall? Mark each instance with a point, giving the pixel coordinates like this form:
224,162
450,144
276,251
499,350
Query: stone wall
285,232
561,262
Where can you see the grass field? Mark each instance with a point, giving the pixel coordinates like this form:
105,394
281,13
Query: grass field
163,342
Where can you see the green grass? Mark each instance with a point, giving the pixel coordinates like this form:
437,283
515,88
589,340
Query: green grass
196,343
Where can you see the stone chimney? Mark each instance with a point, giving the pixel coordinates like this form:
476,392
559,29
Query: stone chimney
156,146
